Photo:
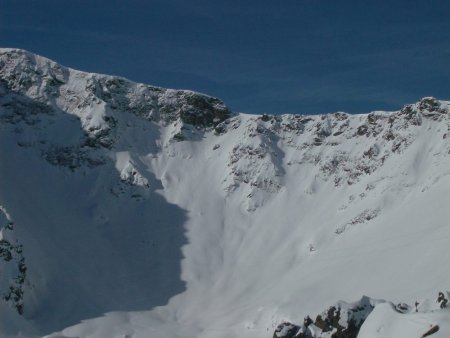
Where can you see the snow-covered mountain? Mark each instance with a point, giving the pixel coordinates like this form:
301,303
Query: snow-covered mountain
129,210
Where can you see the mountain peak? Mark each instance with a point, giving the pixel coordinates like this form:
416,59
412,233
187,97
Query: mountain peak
50,83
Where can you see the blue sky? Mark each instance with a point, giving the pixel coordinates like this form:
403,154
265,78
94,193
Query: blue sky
303,56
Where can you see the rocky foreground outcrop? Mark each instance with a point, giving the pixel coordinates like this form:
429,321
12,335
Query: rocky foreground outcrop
344,320
341,320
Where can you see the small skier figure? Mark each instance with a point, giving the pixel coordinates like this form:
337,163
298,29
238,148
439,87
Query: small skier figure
442,300
307,321
417,304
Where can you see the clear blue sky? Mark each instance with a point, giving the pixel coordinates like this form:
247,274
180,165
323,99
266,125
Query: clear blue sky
304,56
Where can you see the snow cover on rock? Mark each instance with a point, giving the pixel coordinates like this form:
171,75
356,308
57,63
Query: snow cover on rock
341,320
369,318
149,212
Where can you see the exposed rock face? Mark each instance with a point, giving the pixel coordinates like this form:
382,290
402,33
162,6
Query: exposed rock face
36,92
12,266
286,330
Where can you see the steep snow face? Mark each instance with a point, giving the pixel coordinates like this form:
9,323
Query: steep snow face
156,212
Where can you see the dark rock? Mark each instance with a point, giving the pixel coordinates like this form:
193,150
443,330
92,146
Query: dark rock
402,308
203,111
430,104
431,331
343,319
11,252
341,116
362,130
286,330
265,118
179,137
389,135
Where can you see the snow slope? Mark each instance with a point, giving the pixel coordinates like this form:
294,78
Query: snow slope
385,322
148,212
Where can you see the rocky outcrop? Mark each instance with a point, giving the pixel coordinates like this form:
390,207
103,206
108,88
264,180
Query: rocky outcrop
286,330
431,331
342,320
345,320
12,266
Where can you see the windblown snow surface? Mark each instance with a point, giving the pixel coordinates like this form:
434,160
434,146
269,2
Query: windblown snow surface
134,211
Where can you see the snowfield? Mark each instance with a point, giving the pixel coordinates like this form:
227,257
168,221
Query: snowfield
384,322
134,211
